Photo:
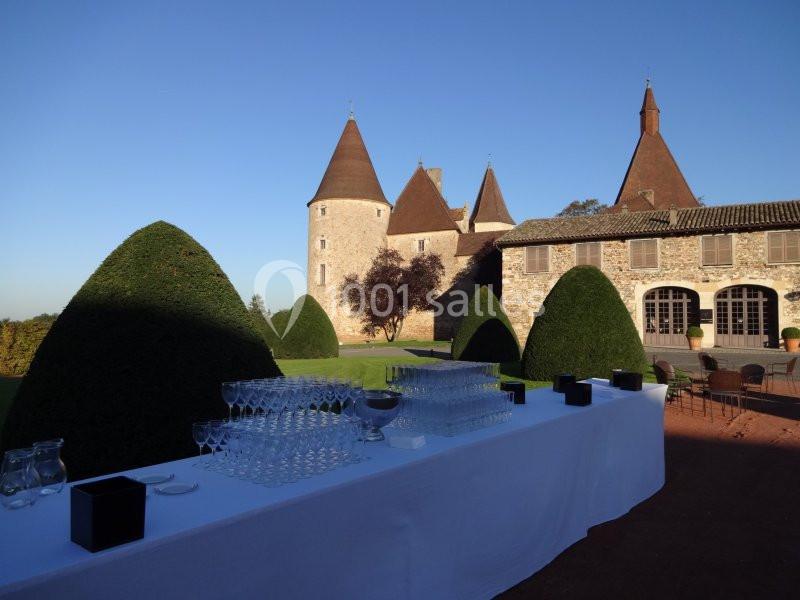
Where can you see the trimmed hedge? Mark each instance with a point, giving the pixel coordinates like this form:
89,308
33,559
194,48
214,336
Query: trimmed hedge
694,331
138,355
790,333
19,341
585,329
311,335
485,335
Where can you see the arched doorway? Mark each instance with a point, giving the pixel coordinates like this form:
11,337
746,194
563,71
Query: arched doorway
747,317
668,311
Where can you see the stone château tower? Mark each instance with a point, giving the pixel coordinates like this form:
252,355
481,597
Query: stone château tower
347,222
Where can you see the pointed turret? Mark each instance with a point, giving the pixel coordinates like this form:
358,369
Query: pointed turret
653,180
490,212
420,207
350,173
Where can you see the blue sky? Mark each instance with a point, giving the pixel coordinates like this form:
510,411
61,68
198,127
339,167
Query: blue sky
221,117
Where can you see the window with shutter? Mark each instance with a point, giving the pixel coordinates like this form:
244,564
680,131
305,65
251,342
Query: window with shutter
589,253
717,250
644,254
783,246
537,259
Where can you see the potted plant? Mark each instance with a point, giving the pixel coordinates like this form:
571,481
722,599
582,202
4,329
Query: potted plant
695,336
791,338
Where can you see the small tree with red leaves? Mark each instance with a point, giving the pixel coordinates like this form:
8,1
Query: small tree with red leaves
390,289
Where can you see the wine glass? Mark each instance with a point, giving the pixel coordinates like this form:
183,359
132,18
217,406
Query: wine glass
200,435
230,390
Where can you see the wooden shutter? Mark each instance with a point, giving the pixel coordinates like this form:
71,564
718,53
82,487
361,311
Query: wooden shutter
537,259
644,254
588,254
783,246
717,250
791,252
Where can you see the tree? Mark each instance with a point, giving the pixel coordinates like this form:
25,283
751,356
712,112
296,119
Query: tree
582,208
138,354
390,289
256,306
309,335
19,341
584,329
485,333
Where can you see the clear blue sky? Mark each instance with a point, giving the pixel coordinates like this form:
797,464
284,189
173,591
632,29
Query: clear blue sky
221,117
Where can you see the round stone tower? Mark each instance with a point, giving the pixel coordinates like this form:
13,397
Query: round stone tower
347,222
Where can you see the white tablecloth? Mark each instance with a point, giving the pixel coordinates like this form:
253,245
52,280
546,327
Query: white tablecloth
462,517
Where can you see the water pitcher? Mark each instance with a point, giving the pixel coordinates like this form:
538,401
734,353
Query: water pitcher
19,481
48,464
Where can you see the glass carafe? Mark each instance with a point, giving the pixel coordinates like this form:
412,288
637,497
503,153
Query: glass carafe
49,466
19,481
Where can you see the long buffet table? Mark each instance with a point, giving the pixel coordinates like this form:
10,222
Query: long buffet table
462,517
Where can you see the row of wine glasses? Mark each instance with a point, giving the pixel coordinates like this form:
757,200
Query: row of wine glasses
28,473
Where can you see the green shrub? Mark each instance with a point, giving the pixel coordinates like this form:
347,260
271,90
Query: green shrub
310,336
694,331
585,329
790,333
482,337
19,341
138,355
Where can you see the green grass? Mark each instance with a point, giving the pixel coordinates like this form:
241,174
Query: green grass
8,387
400,344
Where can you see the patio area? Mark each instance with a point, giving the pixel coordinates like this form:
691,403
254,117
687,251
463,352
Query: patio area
725,524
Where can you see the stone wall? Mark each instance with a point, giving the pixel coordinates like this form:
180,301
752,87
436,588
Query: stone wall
679,265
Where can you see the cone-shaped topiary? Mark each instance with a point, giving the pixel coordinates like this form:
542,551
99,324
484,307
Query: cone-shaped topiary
138,354
585,329
485,334
309,335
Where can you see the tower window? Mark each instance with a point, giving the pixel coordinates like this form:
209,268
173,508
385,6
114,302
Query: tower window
323,210
322,274
380,212
323,243
420,245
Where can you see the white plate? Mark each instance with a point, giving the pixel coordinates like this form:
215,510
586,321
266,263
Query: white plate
155,478
175,489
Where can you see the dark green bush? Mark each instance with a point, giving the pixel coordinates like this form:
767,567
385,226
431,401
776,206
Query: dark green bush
19,341
310,336
585,329
138,355
485,335
790,333
694,331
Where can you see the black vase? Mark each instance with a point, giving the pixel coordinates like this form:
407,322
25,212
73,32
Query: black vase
107,513
518,387
578,394
562,382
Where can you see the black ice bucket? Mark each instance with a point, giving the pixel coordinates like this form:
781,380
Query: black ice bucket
630,381
578,394
615,375
562,382
107,513
517,387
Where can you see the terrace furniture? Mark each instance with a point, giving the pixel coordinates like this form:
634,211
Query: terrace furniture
727,386
676,381
752,378
708,364
785,370
462,517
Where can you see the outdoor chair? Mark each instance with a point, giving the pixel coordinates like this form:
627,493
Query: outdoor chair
752,379
676,381
708,365
727,386
785,370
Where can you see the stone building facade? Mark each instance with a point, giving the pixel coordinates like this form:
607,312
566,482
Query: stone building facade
733,270
349,220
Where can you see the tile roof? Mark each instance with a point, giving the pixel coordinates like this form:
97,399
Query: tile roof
490,207
350,173
457,214
471,243
420,207
656,223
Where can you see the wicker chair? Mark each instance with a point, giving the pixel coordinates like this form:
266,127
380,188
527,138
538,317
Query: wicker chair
676,381
785,370
727,386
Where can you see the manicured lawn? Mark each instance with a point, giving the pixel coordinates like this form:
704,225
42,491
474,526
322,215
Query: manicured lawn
8,387
399,344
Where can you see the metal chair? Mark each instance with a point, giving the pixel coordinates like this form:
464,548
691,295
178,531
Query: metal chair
676,381
752,379
786,370
726,385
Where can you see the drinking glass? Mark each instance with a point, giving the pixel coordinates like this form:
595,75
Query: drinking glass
230,390
49,466
200,435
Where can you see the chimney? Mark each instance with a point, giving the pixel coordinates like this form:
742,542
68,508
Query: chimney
673,215
435,173
649,195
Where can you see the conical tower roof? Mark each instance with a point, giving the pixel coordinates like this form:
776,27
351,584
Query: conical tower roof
490,207
350,173
420,207
653,180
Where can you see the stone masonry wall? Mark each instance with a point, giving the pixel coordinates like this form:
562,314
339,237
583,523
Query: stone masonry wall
679,265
